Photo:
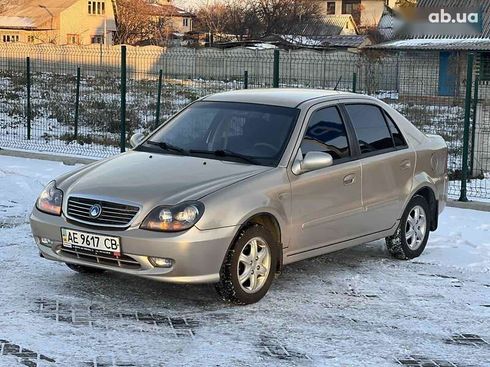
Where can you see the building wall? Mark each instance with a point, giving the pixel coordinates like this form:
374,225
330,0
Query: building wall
32,36
77,21
181,24
371,10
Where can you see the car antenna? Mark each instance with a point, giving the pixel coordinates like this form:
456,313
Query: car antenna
338,82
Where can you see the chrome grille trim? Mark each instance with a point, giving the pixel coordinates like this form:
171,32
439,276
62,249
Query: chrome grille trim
124,261
118,215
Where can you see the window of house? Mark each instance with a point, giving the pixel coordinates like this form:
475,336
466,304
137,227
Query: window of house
350,6
10,38
73,39
186,22
326,133
97,39
96,7
485,66
370,126
31,39
331,7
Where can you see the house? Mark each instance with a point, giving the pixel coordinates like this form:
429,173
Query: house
59,22
176,19
329,25
366,13
332,31
81,22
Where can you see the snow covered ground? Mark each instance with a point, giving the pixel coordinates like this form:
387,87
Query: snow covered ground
357,307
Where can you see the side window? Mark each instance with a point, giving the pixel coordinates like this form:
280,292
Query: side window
326,133
371,128
398,138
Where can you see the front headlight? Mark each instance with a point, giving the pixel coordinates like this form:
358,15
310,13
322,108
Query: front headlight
173,219
50,199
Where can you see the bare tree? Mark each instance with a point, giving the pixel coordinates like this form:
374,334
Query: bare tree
285,16
138,22
211,18
258,18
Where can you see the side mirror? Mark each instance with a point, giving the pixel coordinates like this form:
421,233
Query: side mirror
136,139
312,162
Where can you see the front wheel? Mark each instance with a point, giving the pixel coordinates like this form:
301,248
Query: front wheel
249,267
412,234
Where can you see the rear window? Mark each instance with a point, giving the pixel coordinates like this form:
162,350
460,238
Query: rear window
398,138
370,127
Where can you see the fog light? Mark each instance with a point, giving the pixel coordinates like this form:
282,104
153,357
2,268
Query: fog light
45,241
161,262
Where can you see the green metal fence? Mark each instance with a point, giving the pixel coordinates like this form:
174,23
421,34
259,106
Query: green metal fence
89,100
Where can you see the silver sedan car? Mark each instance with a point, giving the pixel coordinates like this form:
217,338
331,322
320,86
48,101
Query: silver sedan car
239,184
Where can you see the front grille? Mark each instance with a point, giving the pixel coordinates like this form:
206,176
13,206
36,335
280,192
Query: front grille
123,261
112,214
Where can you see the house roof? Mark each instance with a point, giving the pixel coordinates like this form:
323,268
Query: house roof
167,10
34,13
467,44
350,41
329,25
339,21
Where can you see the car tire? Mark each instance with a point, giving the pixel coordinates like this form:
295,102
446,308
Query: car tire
412,234
242,282
85,269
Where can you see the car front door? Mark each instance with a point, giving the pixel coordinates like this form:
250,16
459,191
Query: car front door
387,166
326,203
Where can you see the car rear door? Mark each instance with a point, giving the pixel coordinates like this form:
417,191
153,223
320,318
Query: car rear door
326,203
387,165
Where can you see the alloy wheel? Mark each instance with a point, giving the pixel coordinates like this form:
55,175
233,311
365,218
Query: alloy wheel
415,227
254,265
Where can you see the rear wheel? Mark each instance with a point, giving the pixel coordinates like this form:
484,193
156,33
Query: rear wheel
85,269
249,266
412,234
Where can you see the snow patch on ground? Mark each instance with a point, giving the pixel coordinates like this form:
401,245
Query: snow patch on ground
357,307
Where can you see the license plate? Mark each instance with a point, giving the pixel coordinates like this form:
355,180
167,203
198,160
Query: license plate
91,243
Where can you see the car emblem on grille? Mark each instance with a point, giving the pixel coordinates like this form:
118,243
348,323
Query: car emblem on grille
95,211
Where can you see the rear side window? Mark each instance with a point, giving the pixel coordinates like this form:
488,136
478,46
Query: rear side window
371,128
398,138
326,133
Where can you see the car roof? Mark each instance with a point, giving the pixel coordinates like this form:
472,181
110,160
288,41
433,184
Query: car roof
284,97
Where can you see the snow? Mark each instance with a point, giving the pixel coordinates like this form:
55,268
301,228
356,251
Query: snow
357,307
432,42
16,22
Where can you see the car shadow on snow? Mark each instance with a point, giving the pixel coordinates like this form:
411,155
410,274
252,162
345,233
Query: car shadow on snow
127,292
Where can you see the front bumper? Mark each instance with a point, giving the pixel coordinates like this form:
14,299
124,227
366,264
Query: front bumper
197,255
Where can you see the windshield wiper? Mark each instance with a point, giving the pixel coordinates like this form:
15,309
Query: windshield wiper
167,147
226,153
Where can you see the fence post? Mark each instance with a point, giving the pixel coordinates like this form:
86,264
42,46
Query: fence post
275,75
159,98
354,83
122,142
77,103
473,127
245,79
466,135
28,112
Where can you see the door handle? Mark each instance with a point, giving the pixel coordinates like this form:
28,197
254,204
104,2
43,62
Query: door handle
349,179
405,164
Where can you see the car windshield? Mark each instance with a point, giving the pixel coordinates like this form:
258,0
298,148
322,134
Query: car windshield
238,132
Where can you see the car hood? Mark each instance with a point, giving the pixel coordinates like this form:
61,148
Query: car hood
155,179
